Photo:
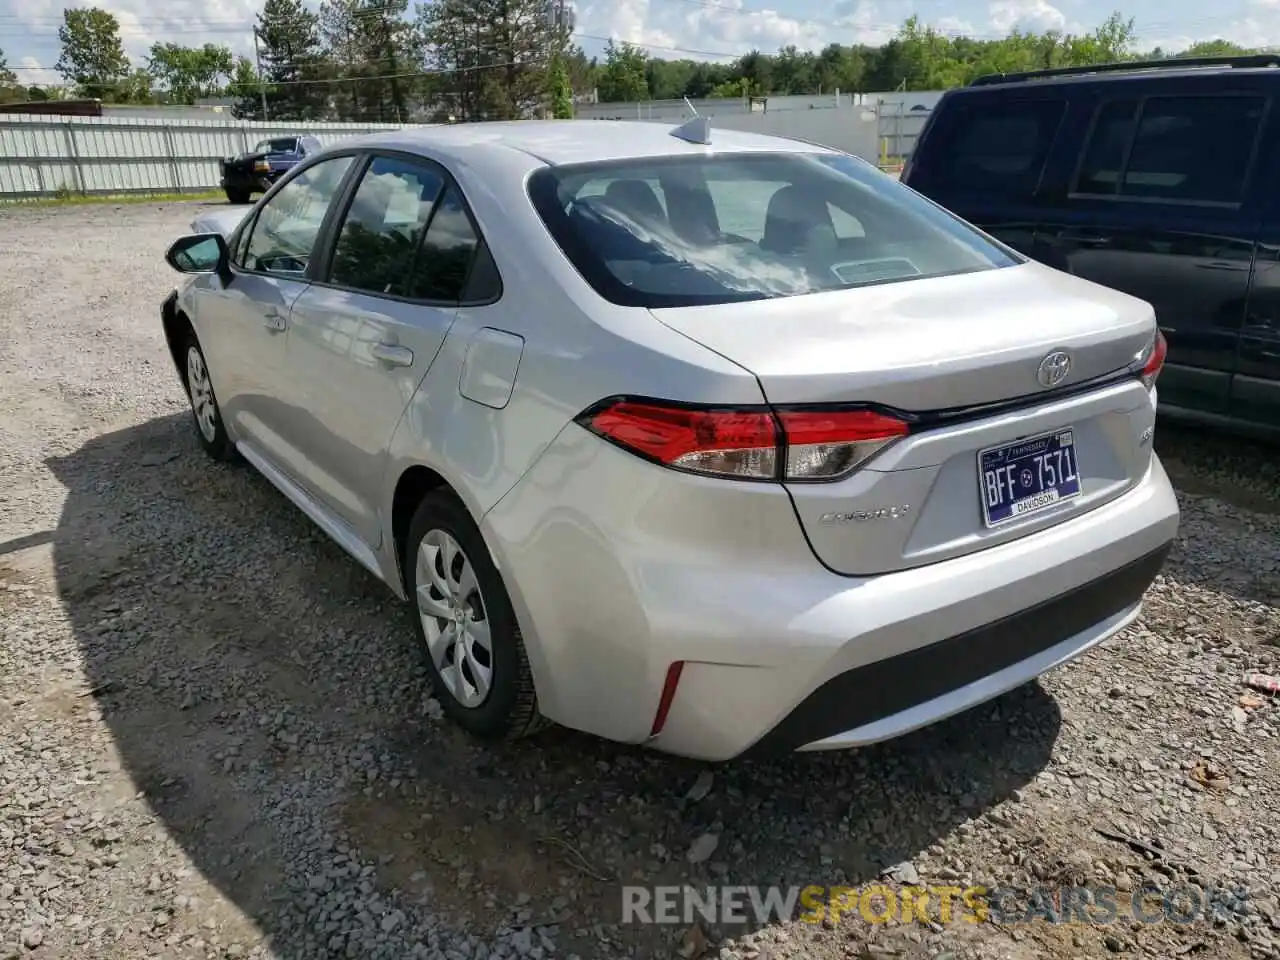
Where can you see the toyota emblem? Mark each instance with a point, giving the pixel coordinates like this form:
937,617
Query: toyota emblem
1054,369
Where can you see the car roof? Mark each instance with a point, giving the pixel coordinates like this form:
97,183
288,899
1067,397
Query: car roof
556,142
1131,72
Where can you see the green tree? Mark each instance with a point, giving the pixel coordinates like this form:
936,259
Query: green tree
1215,48
92,57
372,50
489,59
137,87
559,90
457,54
190,73
623,77
246,86
10,91
340,35
293,64
582,70
388,46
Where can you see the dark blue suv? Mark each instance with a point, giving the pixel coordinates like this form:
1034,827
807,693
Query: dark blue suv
1155,178
255,171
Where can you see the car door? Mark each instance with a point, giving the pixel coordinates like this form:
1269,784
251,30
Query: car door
1159,206
1255,389
983,156
365,336
243,325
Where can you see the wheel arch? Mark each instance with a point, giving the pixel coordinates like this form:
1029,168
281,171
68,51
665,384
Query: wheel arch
177,329
412,487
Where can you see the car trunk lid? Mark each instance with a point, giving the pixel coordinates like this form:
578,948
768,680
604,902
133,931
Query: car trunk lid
924,345
961,359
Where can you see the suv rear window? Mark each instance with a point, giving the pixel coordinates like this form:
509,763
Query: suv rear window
1178,149
682,231
993,148
280,145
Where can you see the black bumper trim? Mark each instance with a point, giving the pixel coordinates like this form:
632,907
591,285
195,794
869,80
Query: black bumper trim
889,686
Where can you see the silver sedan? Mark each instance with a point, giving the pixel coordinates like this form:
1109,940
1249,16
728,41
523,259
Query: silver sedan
720,443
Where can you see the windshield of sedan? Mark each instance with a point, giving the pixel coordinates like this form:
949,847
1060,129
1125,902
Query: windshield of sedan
701,230
280,145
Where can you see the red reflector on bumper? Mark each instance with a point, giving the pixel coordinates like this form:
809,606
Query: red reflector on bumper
668,695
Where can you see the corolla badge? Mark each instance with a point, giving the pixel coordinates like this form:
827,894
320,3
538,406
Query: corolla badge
1054,368
860,516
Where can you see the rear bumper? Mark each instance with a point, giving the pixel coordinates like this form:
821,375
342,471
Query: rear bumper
617,569
899,694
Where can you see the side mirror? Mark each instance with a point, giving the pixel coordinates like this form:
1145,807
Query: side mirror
199,253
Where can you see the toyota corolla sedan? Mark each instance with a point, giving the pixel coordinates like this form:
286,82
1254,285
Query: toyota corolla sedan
720,443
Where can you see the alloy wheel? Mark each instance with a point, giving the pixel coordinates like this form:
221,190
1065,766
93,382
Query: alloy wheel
454,618
201,390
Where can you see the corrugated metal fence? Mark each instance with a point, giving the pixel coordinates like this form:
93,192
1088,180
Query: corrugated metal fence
43,156
58,156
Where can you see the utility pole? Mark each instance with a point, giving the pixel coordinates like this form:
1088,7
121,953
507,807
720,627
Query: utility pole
262,87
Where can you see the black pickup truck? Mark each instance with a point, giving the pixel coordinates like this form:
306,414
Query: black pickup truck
255,171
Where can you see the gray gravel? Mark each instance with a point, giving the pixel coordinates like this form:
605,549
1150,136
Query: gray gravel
215,738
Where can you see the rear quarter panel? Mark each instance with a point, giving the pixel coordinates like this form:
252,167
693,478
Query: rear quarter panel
577,350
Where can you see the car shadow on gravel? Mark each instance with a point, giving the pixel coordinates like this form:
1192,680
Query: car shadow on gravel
264,693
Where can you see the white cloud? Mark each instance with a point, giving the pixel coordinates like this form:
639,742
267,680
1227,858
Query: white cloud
28,72
1030,15
721,29
189,22
955,27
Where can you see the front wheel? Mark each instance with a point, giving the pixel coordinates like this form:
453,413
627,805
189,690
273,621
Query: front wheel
238,195
467,628
204,404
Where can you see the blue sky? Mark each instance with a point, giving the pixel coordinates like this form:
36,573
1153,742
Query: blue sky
701,29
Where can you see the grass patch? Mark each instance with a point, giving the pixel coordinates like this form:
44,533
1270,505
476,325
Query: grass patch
64,198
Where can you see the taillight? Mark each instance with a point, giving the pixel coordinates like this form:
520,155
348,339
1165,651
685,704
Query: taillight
1154,361
823,445
746,444
729,443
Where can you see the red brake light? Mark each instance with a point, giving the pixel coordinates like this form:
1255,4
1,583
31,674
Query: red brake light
1155,360
826,444
750,444
733,443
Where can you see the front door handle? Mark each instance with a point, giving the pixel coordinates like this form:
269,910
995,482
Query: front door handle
273,320
393,354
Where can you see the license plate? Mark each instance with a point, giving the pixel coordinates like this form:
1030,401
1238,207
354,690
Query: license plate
1027,476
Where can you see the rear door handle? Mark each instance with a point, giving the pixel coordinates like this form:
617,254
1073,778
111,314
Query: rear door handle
1086,239
273,320
393,354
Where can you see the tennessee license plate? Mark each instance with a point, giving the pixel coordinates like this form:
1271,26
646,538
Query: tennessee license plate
1027,476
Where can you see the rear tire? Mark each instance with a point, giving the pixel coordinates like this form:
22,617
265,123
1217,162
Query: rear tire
204,402
239,195
466,625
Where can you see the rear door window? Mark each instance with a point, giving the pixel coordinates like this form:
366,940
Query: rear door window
991,149
445,257
1172,149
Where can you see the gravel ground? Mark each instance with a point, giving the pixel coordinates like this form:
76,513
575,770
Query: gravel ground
215,739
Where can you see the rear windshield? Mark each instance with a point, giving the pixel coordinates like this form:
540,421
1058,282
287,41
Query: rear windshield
287,145
702,230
